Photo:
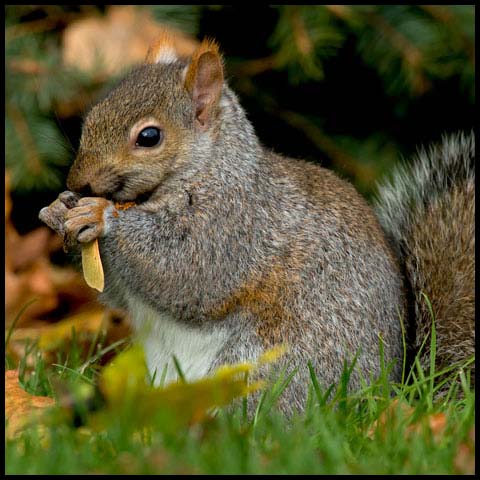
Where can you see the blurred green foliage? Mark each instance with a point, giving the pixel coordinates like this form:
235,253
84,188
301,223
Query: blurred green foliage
354,87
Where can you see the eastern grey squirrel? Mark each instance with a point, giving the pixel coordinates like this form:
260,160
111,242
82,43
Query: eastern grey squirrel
232,249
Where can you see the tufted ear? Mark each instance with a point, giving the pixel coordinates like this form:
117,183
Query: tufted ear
163,50
204,81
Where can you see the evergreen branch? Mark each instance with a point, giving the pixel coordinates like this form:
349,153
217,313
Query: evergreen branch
20,125
304,43
445,16
439,13
27,66
343,12
48,23
409,52
302,39
36,26
258,65
364,174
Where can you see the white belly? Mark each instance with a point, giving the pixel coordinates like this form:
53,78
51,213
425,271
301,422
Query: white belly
162,338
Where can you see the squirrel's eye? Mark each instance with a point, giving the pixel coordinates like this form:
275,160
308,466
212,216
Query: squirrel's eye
149,137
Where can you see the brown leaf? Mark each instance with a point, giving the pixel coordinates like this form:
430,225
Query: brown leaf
29,247
397,412
27,270
34,283
465,458
21,408
119,39
60,295
14,285
8,201
29,275
389,416
436,422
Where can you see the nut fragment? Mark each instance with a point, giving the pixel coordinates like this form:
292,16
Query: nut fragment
124,206
92,266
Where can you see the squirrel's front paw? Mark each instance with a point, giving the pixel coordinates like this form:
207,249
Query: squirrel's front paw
54,214
87,220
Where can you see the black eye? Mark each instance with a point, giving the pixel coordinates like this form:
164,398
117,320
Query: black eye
149,137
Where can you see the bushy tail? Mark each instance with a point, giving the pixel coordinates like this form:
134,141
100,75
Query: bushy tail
428,212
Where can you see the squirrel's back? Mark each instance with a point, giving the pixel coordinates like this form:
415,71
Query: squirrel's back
428,213
338,285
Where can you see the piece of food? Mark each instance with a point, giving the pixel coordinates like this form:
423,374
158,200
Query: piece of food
92,266
124,206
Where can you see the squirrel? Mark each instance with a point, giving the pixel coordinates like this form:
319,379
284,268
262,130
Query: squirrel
231,249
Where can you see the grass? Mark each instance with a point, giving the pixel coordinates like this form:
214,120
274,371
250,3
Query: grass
333,436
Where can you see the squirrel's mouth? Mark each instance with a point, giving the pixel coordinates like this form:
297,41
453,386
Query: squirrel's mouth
122,195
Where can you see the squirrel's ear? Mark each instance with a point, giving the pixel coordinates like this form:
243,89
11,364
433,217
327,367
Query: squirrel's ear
162,50
204,81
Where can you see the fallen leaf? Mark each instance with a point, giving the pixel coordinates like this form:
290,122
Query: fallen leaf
21,408
124,384
30,247
33,283
465,458
29,274
50,336
107,325
8,202
125,374
104,46
391,416
437,423
45,300
397,412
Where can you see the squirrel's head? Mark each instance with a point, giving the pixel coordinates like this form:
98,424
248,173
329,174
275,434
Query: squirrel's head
134,138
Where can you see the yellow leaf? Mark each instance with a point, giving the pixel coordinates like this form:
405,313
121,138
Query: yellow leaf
92,265
126,374
51,336
273,354
124,385
89,321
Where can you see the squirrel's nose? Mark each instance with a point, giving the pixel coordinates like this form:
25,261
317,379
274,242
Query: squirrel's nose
89,189
84,191
78,185
100,183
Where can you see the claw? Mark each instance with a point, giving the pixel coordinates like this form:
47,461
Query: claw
69,199
54,216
